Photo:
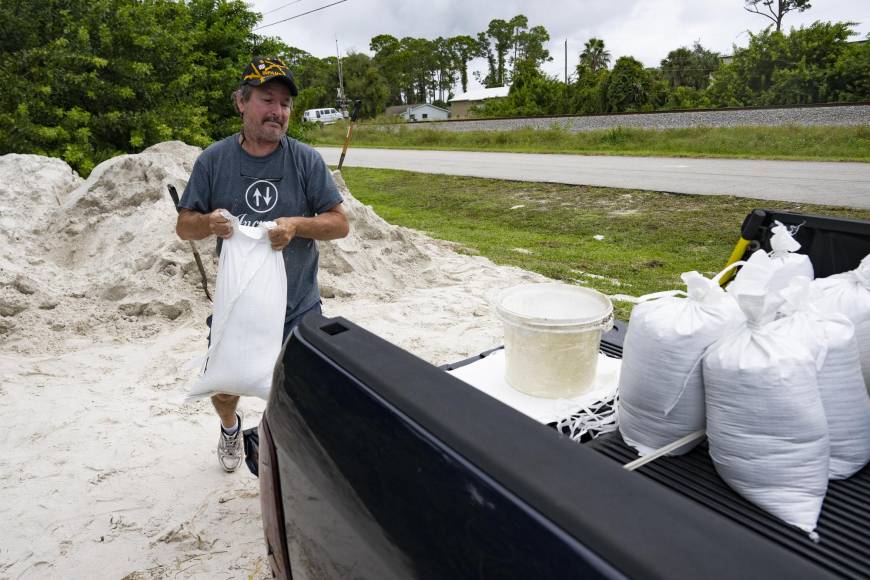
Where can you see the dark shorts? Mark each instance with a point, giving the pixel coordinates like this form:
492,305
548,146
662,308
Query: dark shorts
289,325
294,322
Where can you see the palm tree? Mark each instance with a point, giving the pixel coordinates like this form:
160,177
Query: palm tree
678,67
594,57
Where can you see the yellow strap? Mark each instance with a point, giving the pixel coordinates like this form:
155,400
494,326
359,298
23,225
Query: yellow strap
736,254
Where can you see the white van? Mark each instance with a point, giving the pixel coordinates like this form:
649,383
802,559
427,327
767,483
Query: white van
324,116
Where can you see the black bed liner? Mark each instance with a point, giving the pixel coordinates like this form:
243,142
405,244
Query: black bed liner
844,546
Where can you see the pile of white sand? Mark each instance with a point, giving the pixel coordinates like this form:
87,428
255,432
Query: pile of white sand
103,473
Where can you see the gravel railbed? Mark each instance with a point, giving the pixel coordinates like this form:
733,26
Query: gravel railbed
803,116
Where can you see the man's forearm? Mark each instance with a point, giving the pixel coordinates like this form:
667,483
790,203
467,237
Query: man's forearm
330,225
192,225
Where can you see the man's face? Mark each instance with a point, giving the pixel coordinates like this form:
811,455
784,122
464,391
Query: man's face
267,112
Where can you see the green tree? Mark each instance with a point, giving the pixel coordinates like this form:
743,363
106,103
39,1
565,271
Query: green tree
531,93
728,88
588,93
706,63
811,70
415,69
391,62
420,68
659,90
495,43
463,49
363,80
222,42
594,56
489,79
310,71
809,65
316,78
518,25
508,45
689,68
850,79
530,51
685,98
87,81
445,69
775,10
629,86
677,67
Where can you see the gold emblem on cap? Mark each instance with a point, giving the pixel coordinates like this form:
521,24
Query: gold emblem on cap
270,68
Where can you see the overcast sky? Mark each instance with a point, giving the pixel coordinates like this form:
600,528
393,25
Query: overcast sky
644,29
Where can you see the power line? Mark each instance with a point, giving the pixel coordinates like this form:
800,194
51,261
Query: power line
298,15
281,6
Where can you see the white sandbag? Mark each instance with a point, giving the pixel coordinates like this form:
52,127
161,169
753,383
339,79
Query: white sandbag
778,268
841,384
766,424
849,294
661,394
248,318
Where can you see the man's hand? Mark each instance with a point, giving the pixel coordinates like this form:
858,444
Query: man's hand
329,225
219,225
283,232
193,225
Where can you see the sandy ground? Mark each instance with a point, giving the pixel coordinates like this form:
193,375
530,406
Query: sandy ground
105,473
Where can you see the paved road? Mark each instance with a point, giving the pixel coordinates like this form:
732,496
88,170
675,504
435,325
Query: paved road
844,184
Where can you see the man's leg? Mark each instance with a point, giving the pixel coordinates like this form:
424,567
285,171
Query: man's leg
230,447
225,405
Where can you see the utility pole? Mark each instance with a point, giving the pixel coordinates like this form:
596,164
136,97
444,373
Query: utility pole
566,61
342,99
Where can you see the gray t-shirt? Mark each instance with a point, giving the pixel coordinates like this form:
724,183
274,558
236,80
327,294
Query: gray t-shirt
291,181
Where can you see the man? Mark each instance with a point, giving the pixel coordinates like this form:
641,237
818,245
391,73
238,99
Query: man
260,174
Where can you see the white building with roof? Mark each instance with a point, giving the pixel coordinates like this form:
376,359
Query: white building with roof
416,113
461,104
426,112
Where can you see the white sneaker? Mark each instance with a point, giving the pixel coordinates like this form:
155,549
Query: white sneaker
230,449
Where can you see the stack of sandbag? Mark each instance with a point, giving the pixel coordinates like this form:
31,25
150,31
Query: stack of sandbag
661,394
786,406
849,293
840,382
774,270
766,424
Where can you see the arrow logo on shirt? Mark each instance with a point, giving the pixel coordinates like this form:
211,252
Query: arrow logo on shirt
261,196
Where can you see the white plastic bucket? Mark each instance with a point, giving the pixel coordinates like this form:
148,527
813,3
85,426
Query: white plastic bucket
552,333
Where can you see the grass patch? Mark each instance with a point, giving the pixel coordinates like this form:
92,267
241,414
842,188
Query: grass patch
648,238
792,142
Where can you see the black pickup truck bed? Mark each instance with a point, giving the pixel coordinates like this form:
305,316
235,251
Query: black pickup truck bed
844,524
376,464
